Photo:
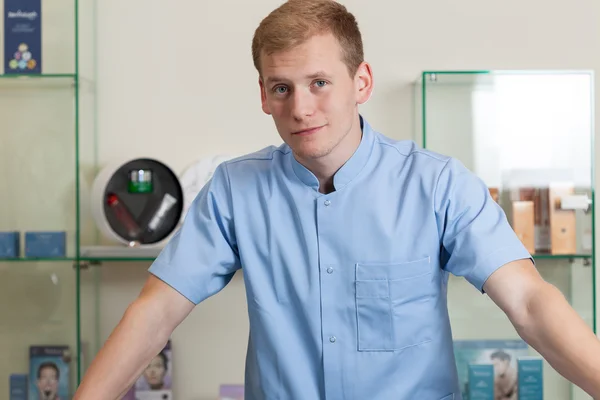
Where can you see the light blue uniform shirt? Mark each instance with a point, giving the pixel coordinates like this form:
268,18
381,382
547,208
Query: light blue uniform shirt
346,291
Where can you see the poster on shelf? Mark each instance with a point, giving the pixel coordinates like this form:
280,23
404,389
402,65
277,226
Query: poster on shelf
502,354
49,370
22,36
155,383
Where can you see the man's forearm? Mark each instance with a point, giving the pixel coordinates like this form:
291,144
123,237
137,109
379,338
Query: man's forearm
128,350
559,334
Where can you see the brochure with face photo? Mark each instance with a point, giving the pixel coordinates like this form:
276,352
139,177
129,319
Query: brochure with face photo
501,354
231,392
49,368
155,382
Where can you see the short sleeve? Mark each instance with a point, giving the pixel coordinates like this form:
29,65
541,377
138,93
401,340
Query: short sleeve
476,236
201,257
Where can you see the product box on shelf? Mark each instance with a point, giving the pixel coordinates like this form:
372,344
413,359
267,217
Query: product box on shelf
22,37
502,354
18,387
538,196
9,244
562,222
49,370
481,382
523,223
231,392
530,371
45,244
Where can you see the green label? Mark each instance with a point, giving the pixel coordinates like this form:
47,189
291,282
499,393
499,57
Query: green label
140,187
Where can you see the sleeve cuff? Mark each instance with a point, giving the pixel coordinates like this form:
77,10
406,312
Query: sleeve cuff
179,283
481,272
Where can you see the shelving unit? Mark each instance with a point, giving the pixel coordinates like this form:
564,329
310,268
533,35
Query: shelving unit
519,129
38,192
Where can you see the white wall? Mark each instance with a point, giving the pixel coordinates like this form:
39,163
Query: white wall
175,81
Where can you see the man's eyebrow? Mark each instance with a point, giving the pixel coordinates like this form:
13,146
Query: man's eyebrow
273,79
318,74
315,75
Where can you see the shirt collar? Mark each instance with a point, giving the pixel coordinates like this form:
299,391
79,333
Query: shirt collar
349,170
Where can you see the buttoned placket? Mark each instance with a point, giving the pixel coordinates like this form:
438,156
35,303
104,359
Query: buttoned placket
327,220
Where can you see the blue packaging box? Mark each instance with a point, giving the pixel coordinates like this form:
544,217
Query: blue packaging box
22,36
18,387
481,382
45,244
531,378
9,244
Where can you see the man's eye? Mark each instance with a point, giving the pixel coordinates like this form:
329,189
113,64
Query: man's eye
280,89
320,83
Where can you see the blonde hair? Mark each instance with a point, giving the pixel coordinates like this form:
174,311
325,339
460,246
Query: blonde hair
296,21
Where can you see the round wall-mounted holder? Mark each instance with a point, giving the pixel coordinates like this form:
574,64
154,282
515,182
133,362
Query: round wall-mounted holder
138,203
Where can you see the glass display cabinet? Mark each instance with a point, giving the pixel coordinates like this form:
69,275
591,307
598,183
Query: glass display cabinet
44,292
529,136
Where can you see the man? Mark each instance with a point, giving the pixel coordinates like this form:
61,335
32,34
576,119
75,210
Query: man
346,239
48,376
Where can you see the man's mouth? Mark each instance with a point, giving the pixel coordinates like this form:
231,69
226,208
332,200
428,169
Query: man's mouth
308,131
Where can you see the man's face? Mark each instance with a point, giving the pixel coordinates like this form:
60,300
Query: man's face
311,95
47,383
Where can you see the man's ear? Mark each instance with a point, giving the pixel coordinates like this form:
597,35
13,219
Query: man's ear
263,97
364,83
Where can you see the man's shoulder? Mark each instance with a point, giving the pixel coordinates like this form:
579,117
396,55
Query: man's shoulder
265,160
266,154
408,150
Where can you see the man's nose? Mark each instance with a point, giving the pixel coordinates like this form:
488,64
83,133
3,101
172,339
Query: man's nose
303,104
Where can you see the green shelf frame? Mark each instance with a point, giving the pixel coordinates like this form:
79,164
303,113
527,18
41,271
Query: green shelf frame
35,259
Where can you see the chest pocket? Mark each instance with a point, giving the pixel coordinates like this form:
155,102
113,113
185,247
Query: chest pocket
393,304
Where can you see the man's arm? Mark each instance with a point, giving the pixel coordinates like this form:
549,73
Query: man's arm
140,335
546,321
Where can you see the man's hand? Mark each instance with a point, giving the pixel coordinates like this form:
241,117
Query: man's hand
545,320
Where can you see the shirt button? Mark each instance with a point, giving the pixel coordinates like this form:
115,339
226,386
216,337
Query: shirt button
332,339
330,270
327,203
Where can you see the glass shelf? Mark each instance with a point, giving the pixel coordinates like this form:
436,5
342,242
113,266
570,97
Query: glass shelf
37,76
524,133
560,256
115,253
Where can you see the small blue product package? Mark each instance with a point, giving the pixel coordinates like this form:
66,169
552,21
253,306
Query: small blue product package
481,382
18,386
531,378
45,244
9,244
